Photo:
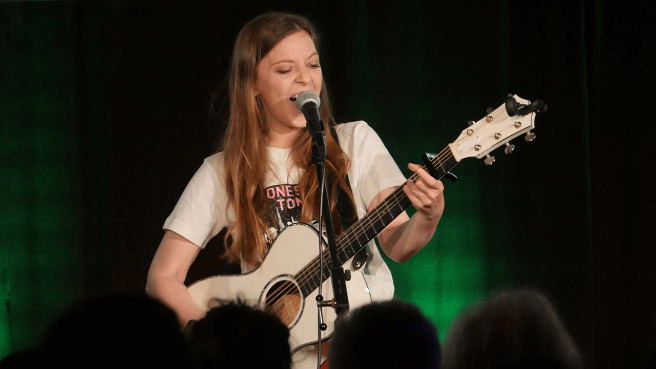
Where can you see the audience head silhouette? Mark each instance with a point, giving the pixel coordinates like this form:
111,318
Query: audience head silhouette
517,328
235,335
390,334
117,331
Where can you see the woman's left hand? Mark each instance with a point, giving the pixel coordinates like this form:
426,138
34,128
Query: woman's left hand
426,193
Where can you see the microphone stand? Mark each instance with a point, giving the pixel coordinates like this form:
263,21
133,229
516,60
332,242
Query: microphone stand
340,298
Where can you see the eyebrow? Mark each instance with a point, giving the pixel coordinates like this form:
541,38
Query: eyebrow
291,61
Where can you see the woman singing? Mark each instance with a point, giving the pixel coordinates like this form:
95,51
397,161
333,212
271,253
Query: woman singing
263,180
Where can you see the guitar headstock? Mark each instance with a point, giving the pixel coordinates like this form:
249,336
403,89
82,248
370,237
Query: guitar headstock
512,119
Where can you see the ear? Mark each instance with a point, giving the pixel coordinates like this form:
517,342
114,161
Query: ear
252,84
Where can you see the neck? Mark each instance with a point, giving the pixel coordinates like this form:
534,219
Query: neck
282,138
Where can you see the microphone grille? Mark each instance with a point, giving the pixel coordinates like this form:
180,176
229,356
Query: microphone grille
305,97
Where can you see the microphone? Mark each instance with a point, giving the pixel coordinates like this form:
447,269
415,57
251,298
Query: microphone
308,103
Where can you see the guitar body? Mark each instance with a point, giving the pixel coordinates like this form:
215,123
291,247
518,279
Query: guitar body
273,286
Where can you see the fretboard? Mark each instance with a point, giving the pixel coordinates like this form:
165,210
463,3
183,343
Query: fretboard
365,229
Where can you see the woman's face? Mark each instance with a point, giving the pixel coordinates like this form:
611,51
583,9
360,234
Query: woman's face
290,68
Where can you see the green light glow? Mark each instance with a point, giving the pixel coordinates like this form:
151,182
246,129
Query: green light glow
449,273
41,271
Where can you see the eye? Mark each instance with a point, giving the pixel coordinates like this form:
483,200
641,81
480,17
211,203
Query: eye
284,71
315,66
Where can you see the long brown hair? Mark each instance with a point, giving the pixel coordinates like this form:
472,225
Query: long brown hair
244,145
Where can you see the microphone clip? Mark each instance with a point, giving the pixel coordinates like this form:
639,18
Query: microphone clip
319,138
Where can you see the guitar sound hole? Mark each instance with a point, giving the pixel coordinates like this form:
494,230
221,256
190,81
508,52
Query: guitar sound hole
284,300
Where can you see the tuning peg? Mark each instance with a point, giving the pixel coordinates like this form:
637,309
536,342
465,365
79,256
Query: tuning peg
511,106
488,160
536,106
530,136
471,123
509,148
489,110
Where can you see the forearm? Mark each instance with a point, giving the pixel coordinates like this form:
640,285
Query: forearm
174,294
167,274
405,240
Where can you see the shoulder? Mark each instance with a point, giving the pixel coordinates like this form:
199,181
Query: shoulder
214,164
357,134
210,173
348,129
213,160
353,132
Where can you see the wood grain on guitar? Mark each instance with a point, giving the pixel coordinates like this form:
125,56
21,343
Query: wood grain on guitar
284,301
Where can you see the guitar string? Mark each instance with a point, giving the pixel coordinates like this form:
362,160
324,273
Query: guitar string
376,213
302,276
287,287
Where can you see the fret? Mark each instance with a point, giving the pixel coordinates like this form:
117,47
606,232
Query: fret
370,232
440,170
404,202
341,256
362,239
348,252
387,217
314,282
379,225
398,206
344,241
349,246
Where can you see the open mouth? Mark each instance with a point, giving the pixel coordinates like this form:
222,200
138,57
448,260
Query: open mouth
292,100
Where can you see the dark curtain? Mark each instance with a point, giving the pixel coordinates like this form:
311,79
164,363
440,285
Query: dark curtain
105,116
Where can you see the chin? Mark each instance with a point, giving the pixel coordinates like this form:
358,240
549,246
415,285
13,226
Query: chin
299,122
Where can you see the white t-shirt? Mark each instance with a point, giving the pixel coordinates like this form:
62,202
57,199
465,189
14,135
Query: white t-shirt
201,214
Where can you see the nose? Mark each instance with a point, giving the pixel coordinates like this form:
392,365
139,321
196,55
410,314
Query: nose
303,76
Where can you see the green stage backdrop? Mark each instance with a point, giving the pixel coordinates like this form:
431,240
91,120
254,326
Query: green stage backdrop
105,116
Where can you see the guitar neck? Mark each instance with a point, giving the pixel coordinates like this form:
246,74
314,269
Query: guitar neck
365,229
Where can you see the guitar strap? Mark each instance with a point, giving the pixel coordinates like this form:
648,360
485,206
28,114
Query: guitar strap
347,213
